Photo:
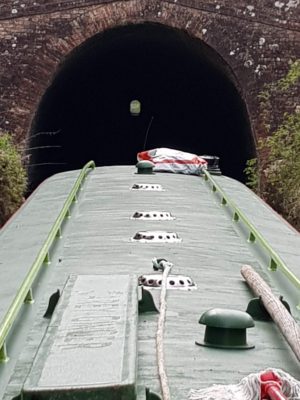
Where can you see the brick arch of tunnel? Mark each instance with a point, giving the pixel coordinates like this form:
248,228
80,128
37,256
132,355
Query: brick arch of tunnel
190,100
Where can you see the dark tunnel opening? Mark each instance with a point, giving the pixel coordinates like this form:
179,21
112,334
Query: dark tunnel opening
182,83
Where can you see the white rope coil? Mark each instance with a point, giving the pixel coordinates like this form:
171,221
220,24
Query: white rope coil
249,388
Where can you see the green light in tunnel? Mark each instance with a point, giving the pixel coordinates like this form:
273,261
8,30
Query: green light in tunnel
135,108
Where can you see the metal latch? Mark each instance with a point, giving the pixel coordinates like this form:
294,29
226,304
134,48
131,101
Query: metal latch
147,186
156,236
153,215
179,282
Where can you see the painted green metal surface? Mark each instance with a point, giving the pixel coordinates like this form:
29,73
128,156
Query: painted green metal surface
24,293
89,350
96,241
226,329
275,261
226,318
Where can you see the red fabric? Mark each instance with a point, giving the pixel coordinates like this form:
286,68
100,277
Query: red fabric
144,155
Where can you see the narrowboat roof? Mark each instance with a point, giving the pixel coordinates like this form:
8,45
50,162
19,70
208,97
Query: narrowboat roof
100,244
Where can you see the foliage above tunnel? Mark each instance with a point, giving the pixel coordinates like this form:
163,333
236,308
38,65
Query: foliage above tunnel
275,174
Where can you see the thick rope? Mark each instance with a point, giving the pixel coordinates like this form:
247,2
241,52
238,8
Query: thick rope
160,333
283,319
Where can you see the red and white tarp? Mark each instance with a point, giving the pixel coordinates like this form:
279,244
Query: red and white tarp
169,160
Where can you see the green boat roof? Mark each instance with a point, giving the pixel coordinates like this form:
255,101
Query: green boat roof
96,237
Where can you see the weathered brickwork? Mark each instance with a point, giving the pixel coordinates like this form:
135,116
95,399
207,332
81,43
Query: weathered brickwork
281,13
258,39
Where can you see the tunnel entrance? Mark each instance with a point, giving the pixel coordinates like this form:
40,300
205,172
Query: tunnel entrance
184,88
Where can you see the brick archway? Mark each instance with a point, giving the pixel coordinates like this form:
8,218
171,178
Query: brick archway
188,93
86,23
255,44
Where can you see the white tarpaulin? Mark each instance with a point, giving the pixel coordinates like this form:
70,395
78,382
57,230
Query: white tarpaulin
169,160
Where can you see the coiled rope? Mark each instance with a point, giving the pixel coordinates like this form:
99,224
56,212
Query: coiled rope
249,388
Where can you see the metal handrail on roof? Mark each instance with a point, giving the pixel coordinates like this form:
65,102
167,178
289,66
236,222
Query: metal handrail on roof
24,292
254,235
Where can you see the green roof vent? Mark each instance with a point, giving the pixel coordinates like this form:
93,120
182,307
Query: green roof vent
145,167
226,329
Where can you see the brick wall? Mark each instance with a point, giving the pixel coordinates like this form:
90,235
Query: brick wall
257,39
284,13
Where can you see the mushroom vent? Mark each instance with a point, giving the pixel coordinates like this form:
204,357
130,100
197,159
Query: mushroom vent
153,215
156,237
226,329
145,167
179,282
147,186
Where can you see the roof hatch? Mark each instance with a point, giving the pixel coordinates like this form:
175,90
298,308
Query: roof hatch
90,346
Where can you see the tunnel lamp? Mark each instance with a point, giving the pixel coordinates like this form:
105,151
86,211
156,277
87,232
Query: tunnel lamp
135,108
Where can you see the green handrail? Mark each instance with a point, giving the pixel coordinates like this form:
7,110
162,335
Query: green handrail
254,235
42,257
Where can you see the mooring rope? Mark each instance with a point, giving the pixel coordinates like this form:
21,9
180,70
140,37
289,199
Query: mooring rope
166,267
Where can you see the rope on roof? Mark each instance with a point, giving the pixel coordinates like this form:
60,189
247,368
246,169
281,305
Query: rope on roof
249,388
166,267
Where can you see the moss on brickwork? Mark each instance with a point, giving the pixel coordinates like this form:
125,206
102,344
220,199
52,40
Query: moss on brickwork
275,174
12,177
